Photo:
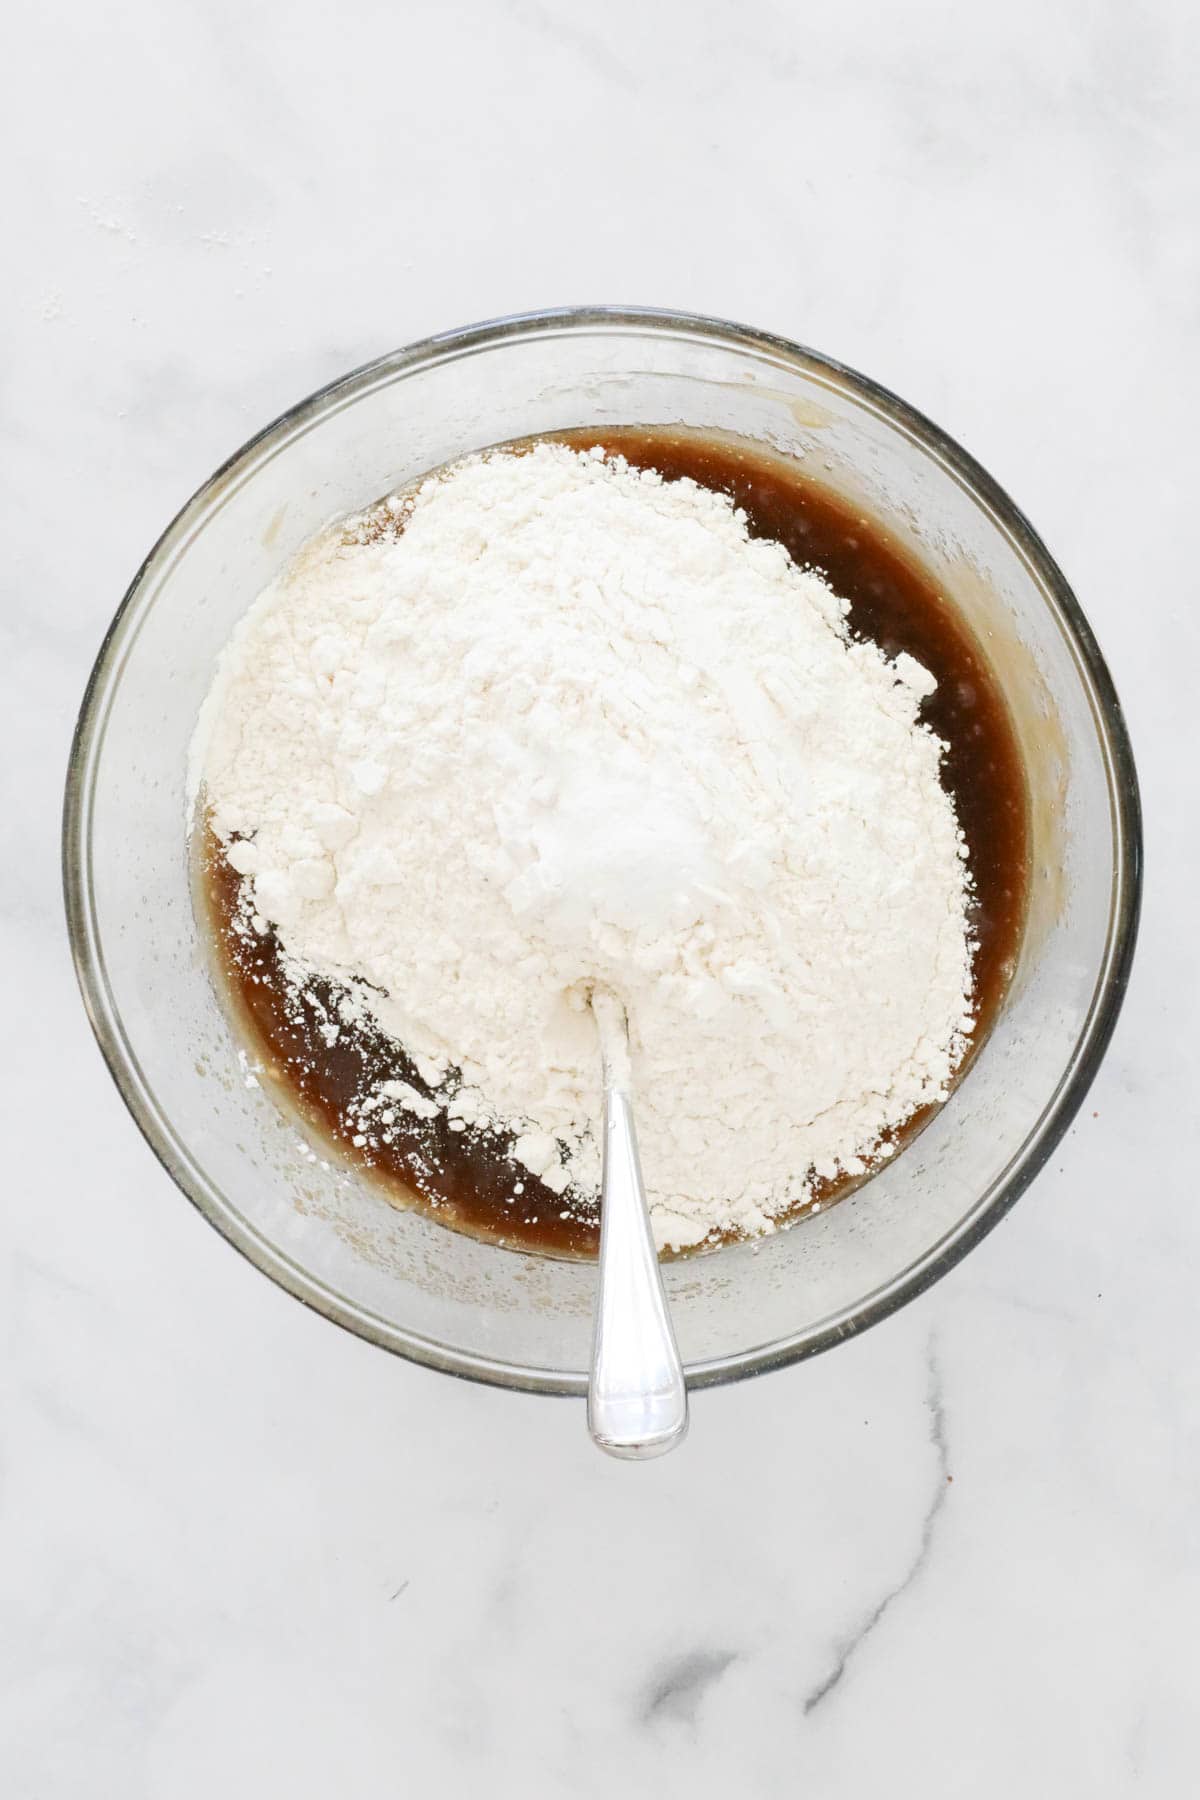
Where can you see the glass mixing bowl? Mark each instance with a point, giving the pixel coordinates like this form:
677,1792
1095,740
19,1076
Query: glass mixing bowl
331,1238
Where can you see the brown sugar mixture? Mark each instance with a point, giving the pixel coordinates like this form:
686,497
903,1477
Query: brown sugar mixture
464,1177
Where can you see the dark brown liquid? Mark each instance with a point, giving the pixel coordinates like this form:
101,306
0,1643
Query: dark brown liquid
465,1177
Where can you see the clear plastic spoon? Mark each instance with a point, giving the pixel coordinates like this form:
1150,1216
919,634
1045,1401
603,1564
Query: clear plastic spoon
637,1400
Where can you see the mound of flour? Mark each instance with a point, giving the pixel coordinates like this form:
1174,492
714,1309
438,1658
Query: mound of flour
551,721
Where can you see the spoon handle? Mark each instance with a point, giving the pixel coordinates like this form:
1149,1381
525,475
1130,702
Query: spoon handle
637,1401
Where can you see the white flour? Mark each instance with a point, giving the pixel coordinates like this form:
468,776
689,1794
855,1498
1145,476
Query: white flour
571,725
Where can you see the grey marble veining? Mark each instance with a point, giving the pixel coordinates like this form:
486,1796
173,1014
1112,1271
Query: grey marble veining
243,1553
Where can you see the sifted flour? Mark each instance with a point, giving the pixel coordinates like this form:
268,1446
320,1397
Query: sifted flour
553,721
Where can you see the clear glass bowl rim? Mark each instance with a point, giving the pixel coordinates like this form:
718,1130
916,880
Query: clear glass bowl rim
1124,913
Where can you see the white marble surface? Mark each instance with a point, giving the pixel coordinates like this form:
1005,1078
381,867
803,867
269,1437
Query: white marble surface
242,1553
